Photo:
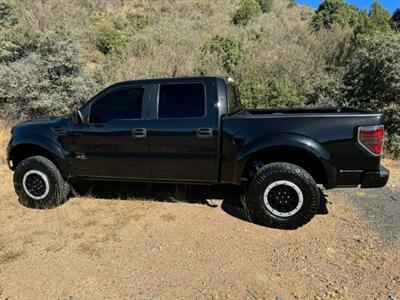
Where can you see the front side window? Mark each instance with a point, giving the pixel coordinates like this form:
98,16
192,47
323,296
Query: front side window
182,101
121,104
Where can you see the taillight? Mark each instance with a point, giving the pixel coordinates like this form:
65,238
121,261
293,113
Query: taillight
371,137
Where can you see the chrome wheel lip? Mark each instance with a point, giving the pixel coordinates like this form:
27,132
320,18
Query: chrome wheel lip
277,212
44,178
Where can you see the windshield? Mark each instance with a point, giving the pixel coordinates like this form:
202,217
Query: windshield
233,98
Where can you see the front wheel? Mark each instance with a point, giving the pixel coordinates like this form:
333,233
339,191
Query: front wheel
282,195
39,184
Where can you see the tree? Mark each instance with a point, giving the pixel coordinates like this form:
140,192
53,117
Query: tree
395,20
376,20
379,17
373,71
335,12
372,80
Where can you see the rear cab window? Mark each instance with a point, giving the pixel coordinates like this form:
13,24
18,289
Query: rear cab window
234,104
183,100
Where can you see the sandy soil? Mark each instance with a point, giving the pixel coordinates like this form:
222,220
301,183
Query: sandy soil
161,248
394,167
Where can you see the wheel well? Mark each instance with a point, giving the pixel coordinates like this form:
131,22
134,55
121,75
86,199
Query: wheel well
23,151
288,154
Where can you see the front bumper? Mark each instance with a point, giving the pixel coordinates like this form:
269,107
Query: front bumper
8,157
375,179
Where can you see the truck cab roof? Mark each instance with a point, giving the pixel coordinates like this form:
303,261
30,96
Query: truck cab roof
169,80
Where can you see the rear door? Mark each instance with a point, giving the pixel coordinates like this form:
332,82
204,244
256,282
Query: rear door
113,143
183,132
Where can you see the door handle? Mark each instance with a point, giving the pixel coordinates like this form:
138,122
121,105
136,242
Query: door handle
204,132
79,155
76,133
139,133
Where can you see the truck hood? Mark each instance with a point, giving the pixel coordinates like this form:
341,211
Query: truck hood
41,125
44,120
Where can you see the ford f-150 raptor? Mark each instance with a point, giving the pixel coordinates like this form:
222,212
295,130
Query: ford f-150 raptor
194,131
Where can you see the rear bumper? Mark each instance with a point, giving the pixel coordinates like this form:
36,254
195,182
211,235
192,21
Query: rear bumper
375,179
365,179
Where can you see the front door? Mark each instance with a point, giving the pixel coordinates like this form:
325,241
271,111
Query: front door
113,143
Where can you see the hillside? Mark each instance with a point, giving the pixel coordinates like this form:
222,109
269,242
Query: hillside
55,54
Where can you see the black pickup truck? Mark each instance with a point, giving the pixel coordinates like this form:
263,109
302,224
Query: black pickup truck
194,131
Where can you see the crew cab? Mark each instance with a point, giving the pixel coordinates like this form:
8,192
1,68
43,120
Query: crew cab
194,131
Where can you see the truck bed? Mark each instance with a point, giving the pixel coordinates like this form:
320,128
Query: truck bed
333,130
316,110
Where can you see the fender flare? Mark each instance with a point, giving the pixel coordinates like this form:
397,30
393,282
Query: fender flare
302,142
42,142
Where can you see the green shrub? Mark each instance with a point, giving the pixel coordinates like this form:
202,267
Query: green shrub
332,12
270,92
137,21
372,79
15,43
50,80
110,40
265,5
247,11
7,15
9,51
229,51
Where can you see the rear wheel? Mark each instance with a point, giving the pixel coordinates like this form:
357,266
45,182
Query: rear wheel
282,195
39,184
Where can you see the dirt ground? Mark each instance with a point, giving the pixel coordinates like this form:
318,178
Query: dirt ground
123,241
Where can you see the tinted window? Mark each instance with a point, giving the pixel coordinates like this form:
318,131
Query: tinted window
181,101
122,104
233,98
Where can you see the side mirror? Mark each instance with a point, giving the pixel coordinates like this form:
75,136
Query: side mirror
78,117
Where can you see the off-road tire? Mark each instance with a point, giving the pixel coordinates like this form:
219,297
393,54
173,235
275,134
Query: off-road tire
271,173
57,190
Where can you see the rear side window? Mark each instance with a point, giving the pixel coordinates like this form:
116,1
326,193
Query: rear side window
121,104
182,101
